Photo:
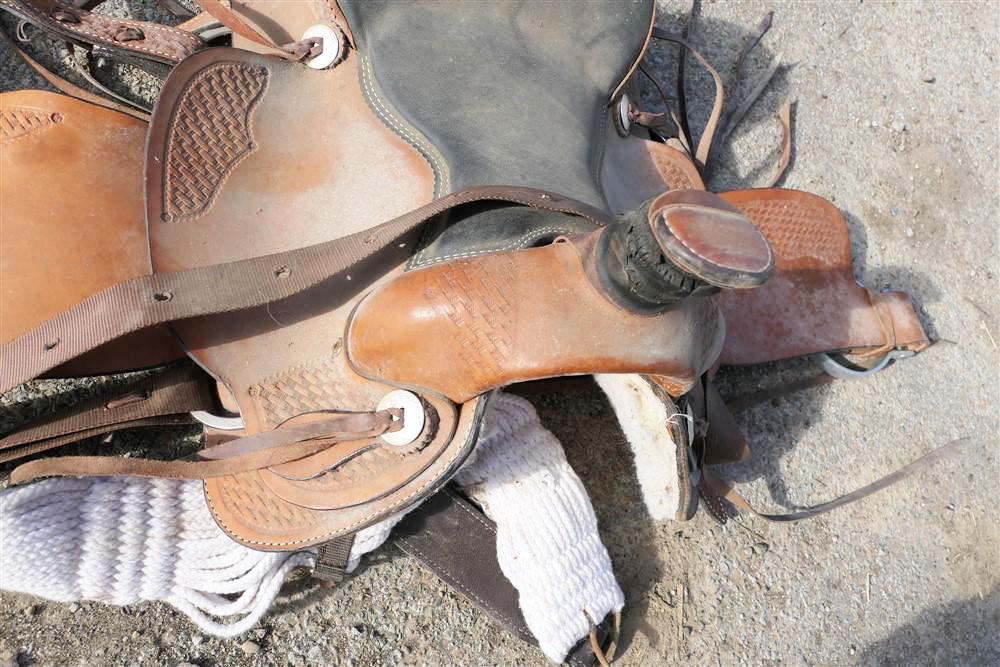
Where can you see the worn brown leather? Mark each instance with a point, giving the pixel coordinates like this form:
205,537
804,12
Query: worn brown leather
352,174
72,219
812,302
244,454
467,326
635,170
134,39
707,237
163,398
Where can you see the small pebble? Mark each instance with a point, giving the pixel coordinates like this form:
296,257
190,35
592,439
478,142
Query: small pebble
761,548
928,77
30,610
197,639
73,608
250,648
909,232
898,126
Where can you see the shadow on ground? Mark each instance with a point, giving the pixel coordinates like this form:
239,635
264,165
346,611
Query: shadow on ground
962,632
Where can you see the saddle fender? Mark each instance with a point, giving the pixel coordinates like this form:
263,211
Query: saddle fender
467,326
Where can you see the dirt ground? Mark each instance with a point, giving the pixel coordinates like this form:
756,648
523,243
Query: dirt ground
896,122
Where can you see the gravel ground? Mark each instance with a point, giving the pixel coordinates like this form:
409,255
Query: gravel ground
896,122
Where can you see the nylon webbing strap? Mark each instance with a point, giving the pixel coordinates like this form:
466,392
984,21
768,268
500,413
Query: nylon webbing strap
150,300
164,398
331,561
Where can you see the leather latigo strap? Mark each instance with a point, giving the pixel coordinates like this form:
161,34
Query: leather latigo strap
67,87
122,37
713,488
164,398
812,302
146,301
457,542
241,455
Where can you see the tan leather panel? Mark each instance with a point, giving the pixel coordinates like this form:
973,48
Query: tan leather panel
276,187
71,203
464,327
242,172
811,303
250,512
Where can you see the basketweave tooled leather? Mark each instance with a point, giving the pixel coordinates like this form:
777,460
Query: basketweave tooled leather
800,310
72,188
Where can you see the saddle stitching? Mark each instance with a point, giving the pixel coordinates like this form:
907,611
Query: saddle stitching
517,244
442,177
597,159
145,26
535,205
435,478
442,180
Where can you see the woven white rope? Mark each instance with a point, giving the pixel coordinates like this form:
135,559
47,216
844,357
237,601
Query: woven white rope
123,540
547,540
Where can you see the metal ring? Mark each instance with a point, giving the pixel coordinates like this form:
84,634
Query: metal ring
834,368
623,120
217,422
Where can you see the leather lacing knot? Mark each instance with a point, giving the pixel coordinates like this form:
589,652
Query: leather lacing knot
305,49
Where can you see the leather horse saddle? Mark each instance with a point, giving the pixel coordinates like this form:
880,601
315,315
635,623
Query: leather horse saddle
367,218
